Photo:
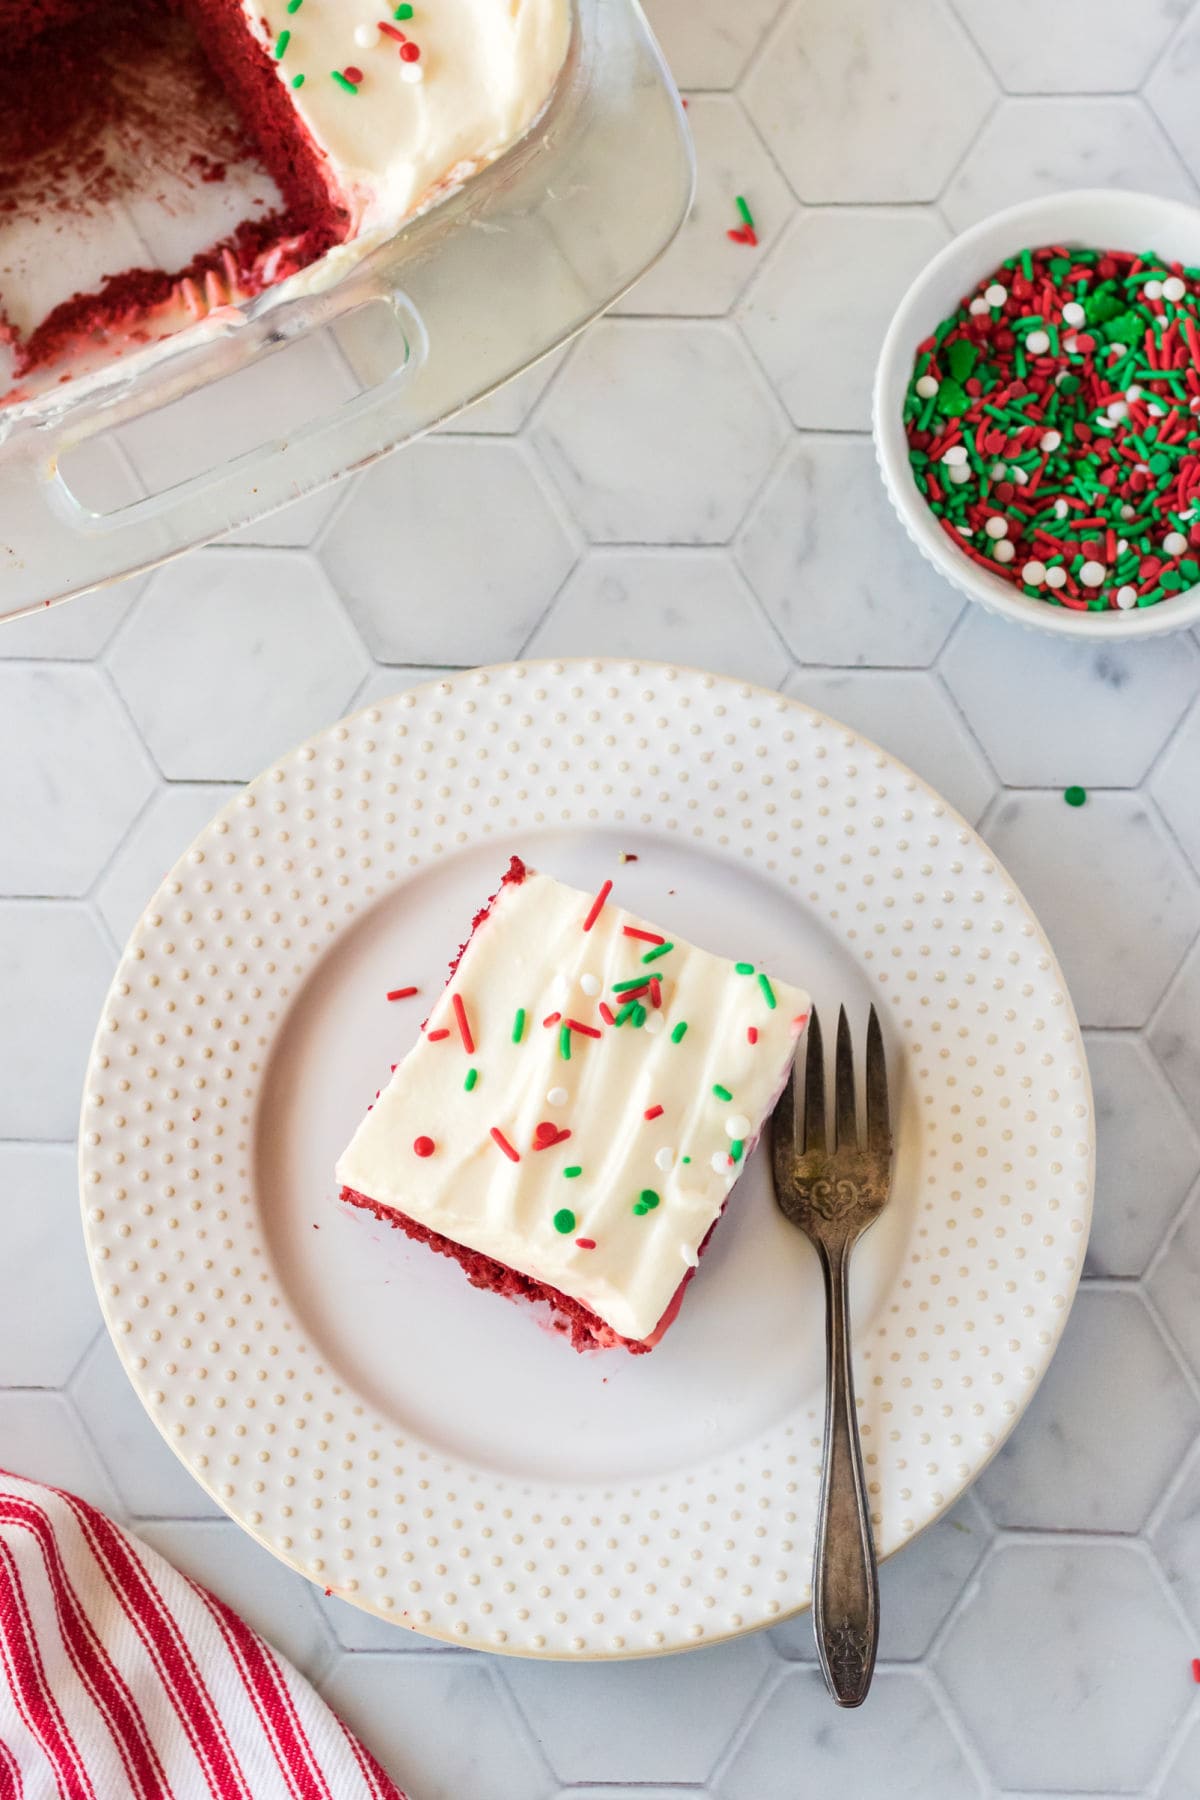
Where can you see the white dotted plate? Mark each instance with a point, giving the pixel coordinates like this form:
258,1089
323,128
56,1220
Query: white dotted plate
434,1453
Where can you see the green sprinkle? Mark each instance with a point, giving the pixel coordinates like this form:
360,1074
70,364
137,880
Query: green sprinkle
564,1220
677,1037
686,1159
743,968
564,1042
768,991
736,1148
297,81
646,1201
1075,796
518,1030
722,1093
639,1014
621,987
472,1078
281,44
342,82
658,950
403,12
573,1171
962,357
744,210
626,1012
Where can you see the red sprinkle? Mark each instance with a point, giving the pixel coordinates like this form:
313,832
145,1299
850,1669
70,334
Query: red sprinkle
464,1029
551,1018
587,1030
435,1037
752,1034
353,74
606,1013
742,234
547,1133
1196,1668
647,937
655,991
589,1243
424,1146
403,993
409,53
392,31
504,1144
597,905
652,1112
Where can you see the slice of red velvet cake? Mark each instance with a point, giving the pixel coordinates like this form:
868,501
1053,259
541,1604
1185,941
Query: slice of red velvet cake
577,1108
119,119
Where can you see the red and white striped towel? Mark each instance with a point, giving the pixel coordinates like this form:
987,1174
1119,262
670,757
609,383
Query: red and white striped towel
123,1680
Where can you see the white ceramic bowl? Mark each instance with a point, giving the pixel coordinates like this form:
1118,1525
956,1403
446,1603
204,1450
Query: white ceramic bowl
1103,218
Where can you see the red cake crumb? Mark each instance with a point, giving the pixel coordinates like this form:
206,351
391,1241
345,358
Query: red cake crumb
93,96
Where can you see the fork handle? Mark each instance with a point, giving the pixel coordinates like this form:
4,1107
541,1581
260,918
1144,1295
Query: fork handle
845,1577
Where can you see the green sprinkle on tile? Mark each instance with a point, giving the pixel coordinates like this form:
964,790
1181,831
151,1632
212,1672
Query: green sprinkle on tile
743,968
573,1171
722,1093
658,950
768,991
472,1078
518,1030
680,1032
564,1042
564,1220
1075,796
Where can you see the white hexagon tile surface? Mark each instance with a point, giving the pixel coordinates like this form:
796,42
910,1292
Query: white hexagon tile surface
692,480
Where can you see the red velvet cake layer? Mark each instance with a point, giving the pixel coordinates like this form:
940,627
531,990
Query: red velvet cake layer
92,96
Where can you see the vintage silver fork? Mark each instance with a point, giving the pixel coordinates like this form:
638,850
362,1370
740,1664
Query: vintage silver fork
834,1196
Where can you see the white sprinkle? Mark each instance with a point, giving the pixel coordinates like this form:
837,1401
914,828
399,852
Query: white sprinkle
1092,574
996,527
995,295
1133,391
1122,546
721,1162
1056,577
1174,288
958,473
664,1158
1073,314
1117,409
1061,509
1153,289
955,455
1017,474
366,36
737,1125
1117,351
1034,573
1129,512
1070,345
1175,543
557,1097
654,1023
964,531
979,305
590,985
412,72
1037,343
1154,409
997,471
1126,597
927,386
1050,440
1004,551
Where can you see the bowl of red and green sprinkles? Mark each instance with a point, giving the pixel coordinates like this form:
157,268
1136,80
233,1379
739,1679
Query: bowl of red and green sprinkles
1037,413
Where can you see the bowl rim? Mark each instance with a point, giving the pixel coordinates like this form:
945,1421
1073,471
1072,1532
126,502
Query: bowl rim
891,452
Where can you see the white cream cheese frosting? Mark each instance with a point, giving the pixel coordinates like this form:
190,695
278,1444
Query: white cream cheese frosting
400,99
595,1164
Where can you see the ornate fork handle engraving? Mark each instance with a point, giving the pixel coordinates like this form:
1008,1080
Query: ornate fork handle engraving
848,1648
834,1199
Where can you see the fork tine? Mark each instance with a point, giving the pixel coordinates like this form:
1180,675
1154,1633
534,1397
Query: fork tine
845,1106
879,1126
814,1087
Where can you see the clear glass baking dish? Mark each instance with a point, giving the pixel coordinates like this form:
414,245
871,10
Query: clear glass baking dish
462,298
